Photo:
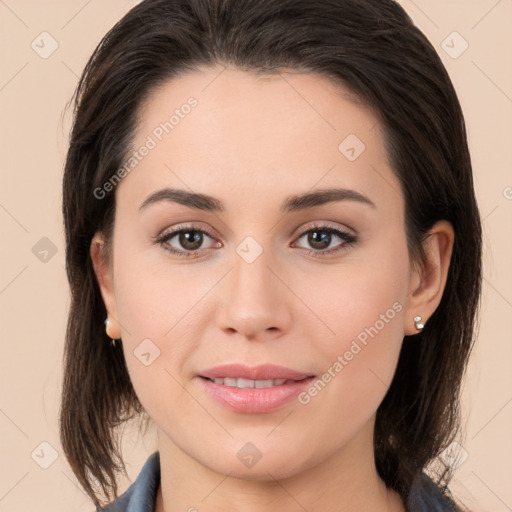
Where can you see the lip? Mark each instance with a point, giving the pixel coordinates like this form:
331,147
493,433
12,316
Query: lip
262,372
254,400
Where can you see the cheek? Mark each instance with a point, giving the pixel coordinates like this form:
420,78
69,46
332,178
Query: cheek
362,299
366,311
359,366
153,297
161,313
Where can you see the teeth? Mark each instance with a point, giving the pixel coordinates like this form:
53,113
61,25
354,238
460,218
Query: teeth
248,383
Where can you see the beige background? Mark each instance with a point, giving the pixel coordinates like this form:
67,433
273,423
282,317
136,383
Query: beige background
34,293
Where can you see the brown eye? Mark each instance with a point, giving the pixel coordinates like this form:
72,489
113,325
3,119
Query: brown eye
321,237
188,241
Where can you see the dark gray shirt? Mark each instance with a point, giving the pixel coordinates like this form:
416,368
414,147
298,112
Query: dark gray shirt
141,495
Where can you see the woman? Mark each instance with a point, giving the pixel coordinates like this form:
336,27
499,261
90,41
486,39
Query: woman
274,252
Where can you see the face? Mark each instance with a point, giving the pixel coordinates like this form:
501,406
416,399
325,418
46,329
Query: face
319,287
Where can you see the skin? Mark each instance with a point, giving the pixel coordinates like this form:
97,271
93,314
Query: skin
287,307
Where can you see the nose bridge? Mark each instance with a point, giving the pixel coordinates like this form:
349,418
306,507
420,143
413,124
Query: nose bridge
255,299
252,280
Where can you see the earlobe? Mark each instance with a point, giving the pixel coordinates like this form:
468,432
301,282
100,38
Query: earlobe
428,283
104,278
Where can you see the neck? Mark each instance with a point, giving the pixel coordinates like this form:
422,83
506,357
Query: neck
344,481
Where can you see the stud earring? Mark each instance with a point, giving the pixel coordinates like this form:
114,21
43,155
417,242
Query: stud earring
419,324
113,341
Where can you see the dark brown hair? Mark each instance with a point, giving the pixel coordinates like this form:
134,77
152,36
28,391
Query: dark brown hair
372,48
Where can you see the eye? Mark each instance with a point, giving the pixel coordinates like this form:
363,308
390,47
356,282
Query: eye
320,237
189,238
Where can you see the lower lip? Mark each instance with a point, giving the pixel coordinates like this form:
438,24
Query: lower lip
255,400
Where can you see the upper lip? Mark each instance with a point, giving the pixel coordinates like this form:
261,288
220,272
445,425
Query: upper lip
262,372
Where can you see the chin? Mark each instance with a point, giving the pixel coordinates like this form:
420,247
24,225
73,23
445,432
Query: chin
247,462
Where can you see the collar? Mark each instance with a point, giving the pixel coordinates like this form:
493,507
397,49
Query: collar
141,495
425,496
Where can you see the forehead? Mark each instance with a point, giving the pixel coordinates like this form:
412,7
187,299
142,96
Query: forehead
222,129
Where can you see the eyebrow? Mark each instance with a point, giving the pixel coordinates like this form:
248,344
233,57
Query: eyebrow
292,203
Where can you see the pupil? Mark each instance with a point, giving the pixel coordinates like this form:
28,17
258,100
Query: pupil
323,239
187,243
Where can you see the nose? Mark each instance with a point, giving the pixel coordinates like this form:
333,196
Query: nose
255,301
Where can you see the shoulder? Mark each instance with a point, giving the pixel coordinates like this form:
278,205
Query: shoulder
141,495
426,496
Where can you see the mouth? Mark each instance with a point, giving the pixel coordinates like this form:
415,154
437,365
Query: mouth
275,387
243,383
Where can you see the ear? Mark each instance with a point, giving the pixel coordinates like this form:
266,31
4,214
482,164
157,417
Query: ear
105,278
427,283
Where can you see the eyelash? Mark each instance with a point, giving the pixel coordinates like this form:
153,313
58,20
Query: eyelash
348,238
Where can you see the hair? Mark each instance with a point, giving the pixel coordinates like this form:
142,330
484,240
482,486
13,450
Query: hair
372,49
